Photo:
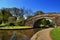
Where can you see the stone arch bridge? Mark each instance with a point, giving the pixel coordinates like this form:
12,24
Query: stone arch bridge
55,17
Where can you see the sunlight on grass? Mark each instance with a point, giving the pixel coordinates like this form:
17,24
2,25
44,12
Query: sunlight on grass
55,34
15,27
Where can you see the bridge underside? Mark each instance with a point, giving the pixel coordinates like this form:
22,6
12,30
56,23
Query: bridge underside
43,23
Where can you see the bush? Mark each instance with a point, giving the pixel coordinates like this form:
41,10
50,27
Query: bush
11,24
18,24
2,25
0,22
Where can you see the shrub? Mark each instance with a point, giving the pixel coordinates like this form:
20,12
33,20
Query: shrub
18,24
11,24
2,25
0,22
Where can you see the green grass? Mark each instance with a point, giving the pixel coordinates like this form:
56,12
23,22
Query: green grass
14,27
55,34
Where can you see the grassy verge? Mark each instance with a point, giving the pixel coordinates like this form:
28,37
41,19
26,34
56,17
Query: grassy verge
14,27
55,34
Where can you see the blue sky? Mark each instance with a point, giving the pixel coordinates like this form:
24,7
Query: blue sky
44,5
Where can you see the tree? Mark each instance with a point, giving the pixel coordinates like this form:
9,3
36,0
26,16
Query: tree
28,13
48,22
6,11
29,17
20,12
43,21
1,18
38,13
5,15
17,12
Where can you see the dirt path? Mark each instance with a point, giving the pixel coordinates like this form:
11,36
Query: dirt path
42,35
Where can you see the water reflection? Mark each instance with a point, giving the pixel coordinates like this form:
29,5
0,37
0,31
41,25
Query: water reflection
13,36
18,36
0,38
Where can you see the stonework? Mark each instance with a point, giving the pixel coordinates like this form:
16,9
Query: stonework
55,17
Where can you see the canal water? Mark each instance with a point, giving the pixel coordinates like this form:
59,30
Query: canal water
17,34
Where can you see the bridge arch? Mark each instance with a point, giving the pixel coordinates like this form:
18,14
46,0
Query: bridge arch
49,22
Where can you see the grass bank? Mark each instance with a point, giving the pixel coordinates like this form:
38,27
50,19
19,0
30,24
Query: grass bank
55,34
14,27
